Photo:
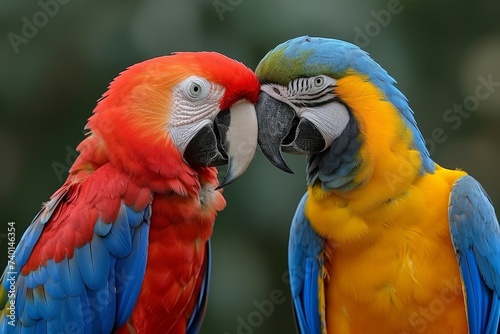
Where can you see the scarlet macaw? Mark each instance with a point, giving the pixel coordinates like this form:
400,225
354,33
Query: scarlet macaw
385,240
123,246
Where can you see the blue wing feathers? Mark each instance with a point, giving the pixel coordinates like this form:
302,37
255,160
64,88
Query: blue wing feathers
305,266
130,272
53,285
30,281
477,299
34,230
136,218
27,242
30,307
93,309
54,289
54,326
21,295
40,275
53,270
109,316
71,278
72,313
495,309
101,228
310,296
84,311
300,319
49,308
93,263
118,240
40,328
94,291
475,235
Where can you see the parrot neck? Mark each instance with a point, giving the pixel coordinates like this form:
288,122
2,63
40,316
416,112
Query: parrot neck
378,151
158,166
378,180
336,167
353,170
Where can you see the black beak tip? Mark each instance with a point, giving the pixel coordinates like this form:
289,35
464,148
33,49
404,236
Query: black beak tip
275,120
224,183
284,167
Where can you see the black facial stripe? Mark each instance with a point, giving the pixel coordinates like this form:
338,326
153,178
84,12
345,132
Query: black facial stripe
323,96
327,89
315,102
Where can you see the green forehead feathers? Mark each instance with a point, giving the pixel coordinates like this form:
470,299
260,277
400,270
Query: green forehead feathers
276,67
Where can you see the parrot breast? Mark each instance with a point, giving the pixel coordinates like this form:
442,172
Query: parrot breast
388,247
394,261
180,229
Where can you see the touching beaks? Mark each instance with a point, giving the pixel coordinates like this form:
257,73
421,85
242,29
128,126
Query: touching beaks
231,139
240,139
275,119
281,130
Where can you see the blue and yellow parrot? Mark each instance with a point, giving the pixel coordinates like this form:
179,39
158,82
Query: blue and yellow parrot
385,240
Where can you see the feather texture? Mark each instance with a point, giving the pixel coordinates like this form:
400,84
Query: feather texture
476,238
305,263
87,279
122,246
402,244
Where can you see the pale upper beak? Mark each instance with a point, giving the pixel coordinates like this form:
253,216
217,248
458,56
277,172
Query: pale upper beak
231,139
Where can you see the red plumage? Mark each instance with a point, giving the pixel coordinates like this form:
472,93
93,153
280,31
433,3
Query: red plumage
129,157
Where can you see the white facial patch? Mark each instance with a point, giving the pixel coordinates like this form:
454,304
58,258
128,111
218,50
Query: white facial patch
195,103
314,99
330,119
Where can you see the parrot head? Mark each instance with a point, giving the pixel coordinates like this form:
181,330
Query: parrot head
327,98
177,113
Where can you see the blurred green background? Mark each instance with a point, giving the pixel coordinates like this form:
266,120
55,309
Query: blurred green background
51,80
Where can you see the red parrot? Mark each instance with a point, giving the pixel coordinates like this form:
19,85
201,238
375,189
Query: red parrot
123,246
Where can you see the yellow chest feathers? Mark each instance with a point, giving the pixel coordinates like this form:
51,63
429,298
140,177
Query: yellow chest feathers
389,259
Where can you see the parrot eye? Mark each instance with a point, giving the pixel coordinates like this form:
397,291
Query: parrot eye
196,88
319,81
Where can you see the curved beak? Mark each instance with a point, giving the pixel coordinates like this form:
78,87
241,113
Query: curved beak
281,130
231,139
238,137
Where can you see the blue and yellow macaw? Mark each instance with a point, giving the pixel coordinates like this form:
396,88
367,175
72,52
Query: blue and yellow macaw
385,240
